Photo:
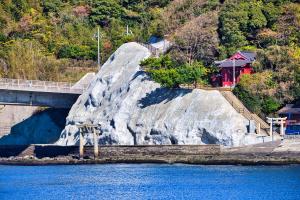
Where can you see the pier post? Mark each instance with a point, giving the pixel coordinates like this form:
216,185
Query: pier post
80,143
96,148
281,128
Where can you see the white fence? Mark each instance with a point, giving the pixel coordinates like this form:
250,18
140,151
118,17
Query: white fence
40,86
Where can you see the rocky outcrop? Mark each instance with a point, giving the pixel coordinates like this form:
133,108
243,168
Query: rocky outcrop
129,108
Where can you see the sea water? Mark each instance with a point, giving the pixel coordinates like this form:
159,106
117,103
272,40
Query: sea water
149,181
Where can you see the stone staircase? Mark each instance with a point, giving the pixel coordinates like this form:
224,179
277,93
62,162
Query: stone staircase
4,130
240,108
29,151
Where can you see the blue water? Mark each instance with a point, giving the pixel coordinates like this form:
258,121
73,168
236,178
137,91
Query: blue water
149,181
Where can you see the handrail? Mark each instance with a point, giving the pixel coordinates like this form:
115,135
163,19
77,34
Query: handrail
36,85
238,105
192,86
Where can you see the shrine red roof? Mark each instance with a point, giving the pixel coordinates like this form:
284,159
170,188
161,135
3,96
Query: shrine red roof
239,59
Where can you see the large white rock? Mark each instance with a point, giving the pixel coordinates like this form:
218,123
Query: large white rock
131,109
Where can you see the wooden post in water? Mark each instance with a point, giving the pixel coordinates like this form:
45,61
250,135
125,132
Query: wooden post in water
81,146
96,148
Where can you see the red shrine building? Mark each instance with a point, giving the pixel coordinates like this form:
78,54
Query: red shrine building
241,62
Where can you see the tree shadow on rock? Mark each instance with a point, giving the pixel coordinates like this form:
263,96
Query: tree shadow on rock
43,127
207,138
144,74
161,95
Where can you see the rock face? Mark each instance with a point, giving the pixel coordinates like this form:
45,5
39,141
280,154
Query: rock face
131,109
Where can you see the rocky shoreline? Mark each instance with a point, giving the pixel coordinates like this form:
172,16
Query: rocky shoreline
272,153
222,159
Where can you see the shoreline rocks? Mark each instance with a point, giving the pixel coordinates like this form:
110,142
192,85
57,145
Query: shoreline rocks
270,153
222,159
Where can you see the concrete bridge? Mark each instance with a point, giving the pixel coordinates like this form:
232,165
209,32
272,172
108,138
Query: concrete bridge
42,93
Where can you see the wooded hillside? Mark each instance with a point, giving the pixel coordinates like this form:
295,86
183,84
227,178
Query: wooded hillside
53,40
206,31
46,39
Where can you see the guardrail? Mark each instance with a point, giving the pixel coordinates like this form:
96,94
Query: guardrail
198,86
41,86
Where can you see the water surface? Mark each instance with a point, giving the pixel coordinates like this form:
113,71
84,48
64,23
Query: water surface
149,181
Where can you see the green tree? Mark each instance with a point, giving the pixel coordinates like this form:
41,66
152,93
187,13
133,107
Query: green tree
252,102
233,23
166,77
103,11
165,71
76,52
271,13
162,62
27,61
51,6
195,73
296,88
270,105
257,19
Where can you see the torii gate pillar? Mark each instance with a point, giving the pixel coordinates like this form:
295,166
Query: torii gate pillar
280,121
281,127
88,128
96,148
81,145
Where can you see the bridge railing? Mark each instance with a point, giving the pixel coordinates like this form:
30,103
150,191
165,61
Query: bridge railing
44,86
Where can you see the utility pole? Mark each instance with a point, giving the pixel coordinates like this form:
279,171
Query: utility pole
233,73
128,31
98,37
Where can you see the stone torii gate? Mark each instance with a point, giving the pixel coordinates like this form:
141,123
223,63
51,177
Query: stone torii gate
85,129
280,120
